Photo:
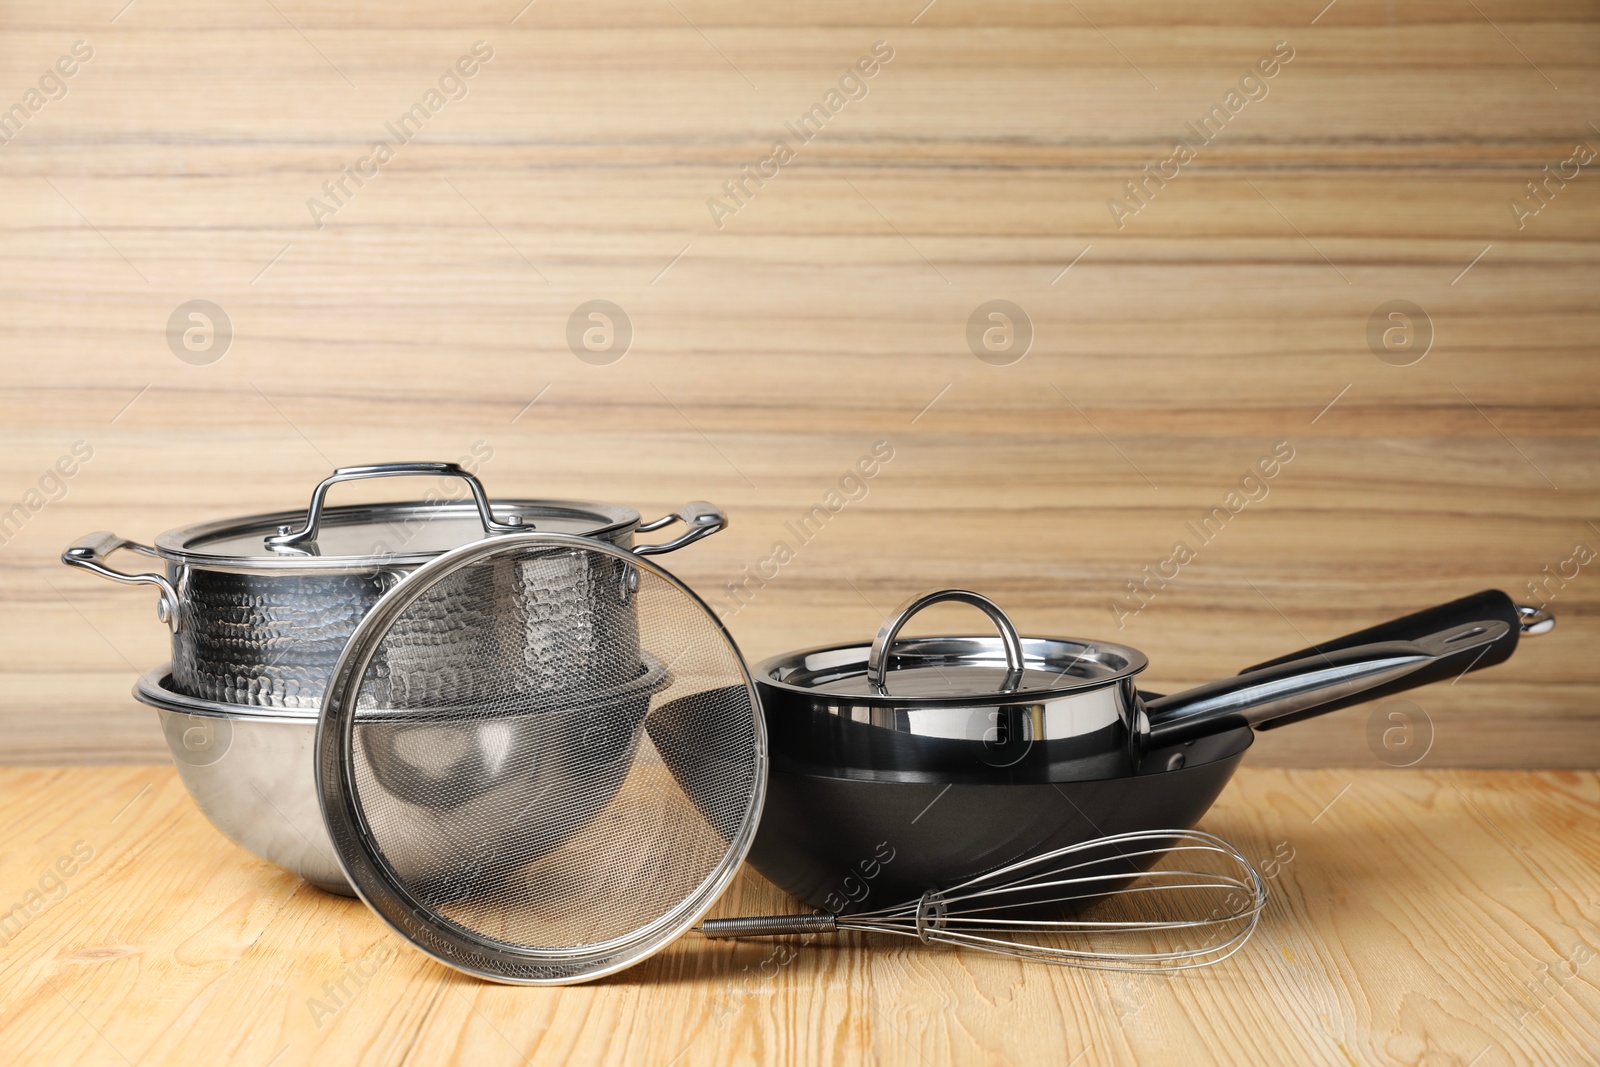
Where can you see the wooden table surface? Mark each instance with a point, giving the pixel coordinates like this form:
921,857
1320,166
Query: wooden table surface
1444,917
1172,350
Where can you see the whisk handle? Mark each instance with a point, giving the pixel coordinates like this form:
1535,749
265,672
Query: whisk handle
769,925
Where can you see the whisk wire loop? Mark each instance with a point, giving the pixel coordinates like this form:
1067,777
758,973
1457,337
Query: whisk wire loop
1026,909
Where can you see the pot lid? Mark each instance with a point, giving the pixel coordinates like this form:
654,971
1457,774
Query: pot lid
952,669
408,532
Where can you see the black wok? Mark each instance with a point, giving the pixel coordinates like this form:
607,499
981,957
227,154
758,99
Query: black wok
881,791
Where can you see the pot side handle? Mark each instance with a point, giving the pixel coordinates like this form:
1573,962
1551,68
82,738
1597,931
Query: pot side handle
89,553
1437,644
701,518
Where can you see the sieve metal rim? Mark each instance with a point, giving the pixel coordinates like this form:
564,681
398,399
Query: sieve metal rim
381,889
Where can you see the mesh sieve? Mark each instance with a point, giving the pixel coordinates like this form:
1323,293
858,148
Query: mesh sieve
565,785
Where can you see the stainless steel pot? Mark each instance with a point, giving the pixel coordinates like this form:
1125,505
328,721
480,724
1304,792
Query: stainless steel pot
252,774
261,607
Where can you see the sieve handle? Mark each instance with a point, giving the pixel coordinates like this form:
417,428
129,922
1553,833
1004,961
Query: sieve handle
769,926
287,537
883,643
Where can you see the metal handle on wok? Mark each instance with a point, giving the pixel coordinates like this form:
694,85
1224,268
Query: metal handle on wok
287,537
89,552
883,643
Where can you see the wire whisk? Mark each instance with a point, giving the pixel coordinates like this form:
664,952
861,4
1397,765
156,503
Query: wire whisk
1093,905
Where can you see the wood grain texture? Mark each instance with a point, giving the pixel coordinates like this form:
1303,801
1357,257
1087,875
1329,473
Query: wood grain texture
1423,917
830,312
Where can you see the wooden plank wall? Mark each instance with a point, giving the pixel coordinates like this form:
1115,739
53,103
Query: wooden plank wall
1172,347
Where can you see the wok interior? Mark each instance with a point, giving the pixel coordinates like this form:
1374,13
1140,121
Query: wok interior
540,815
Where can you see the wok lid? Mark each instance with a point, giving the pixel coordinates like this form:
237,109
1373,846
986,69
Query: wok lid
952,670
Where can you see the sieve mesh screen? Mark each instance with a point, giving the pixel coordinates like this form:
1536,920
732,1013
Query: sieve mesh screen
571,765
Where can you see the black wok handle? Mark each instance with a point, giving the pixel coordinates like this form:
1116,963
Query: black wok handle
1489,604
1440,643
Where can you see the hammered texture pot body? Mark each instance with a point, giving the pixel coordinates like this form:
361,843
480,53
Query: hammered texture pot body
267,640
272,639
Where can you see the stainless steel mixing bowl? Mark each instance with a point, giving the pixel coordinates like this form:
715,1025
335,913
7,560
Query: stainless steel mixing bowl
252,773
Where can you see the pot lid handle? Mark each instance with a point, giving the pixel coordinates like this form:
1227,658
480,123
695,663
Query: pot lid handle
878,655
287,537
